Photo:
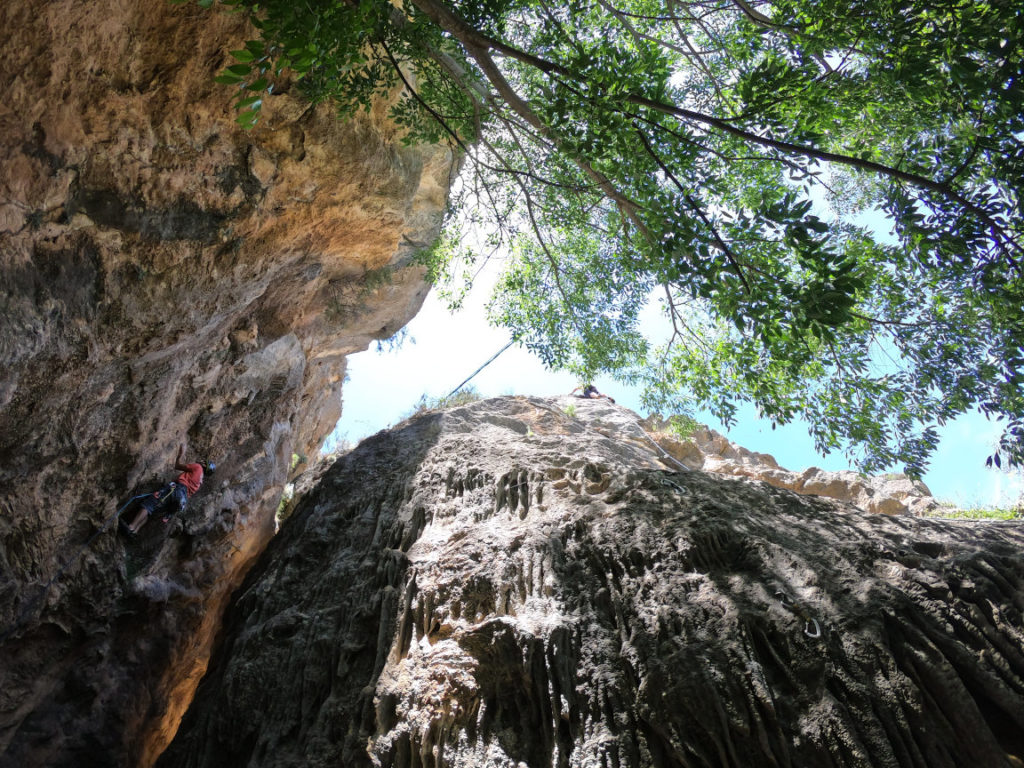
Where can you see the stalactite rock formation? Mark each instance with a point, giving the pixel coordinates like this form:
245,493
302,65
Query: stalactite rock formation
516,583
166,277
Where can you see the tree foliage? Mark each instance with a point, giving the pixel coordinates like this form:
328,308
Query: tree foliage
720,155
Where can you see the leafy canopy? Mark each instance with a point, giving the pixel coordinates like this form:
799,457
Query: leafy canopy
687,149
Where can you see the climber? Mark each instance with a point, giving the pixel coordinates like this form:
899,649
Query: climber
590,391
173,497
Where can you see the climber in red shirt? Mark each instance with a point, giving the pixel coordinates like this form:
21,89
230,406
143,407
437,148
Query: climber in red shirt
173,497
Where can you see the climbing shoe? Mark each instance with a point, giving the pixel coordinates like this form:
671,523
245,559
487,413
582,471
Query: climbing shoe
125,529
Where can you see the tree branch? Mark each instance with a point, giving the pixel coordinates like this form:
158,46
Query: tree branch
688,52
477,46
718,241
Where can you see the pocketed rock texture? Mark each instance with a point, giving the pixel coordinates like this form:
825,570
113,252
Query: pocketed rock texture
166,277
504,585
707,450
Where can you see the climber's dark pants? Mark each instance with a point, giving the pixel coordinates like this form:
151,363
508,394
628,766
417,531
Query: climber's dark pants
170,499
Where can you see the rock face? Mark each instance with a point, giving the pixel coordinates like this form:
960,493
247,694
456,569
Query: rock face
165,277
506,585
707,450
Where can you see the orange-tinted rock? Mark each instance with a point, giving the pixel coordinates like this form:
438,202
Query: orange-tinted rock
164,277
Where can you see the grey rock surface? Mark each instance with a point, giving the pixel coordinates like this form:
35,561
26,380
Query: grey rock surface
504,585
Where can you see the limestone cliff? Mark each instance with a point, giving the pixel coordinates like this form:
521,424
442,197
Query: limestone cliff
165,277
506,585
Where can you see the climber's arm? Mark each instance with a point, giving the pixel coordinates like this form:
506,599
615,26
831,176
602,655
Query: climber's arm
178,463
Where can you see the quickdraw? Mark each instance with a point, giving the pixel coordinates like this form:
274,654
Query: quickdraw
811,626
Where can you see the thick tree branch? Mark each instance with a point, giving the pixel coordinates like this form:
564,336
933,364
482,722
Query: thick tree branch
755,15
478,46
505,168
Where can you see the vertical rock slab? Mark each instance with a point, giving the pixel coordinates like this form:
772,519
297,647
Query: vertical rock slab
505,585
165,277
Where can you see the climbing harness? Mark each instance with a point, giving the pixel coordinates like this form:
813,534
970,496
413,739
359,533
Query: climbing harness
811,627
31,605
162,496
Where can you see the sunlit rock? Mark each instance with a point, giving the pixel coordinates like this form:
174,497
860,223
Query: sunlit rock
166,276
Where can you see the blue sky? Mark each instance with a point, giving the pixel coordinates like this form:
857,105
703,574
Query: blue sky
442,349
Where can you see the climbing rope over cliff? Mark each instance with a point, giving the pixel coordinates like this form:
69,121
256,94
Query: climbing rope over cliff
474,373
664,454
34,602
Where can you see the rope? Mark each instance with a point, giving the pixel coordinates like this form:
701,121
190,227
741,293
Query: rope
643,432
665,454
22,617
474,373
632,423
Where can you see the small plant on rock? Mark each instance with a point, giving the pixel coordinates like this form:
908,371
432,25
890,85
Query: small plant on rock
683,426
464,396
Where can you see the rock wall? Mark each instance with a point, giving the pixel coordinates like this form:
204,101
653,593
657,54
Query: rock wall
505,585
707,450
165,277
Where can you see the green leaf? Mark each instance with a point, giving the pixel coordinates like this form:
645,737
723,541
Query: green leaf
255,102
247,119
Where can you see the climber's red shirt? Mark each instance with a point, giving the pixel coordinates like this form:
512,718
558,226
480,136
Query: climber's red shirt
191,478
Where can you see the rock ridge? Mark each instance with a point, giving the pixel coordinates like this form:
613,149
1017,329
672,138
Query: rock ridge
710,451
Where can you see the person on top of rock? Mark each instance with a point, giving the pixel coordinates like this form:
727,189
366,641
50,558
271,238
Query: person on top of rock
590,391
173,497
